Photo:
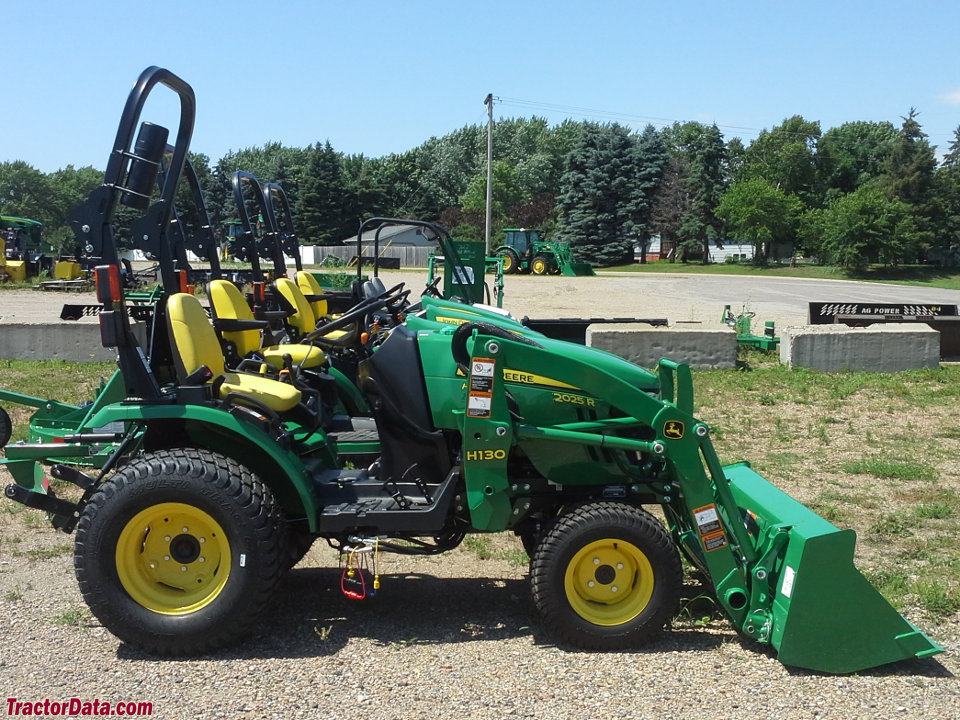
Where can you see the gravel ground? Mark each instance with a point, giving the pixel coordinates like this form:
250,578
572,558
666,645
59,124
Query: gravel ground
446,637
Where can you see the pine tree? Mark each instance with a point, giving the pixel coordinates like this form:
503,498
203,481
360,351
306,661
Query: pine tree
595,194
650,161
321,202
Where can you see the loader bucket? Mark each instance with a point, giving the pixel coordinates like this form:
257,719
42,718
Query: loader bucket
826,615
573,269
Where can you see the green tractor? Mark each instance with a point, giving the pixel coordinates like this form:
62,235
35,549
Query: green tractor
23,252
224,478
524,251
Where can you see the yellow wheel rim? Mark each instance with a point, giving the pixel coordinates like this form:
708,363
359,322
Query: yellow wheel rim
539,267
507,263
173,558
609,582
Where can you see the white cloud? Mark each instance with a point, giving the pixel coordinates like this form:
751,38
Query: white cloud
950,98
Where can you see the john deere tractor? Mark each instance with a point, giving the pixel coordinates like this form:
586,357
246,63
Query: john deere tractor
22,252
224,478
524,251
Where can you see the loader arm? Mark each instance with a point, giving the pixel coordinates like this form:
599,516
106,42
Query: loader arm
781,574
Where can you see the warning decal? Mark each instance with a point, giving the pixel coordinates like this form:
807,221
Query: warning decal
711,531
480,399
714,542
707,519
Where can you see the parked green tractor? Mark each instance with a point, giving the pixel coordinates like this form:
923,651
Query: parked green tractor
484,426
524,251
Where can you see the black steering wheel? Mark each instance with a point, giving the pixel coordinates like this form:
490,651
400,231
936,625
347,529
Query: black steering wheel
357,313
431,289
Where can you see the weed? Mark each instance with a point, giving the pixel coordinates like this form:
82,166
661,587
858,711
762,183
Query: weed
323,632
47,553
698,610
516,557
893,585
480,546
936,597
891,525
13,595
73,617
781,431
830,513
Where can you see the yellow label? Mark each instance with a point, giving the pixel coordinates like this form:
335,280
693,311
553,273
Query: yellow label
574,399
485,455
450,320
528,378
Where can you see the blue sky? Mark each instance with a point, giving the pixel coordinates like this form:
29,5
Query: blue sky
380,77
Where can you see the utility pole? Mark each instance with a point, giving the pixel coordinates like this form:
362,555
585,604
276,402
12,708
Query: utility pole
489,219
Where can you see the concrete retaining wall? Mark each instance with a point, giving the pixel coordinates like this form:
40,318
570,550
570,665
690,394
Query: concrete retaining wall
701,348
76,342
878,348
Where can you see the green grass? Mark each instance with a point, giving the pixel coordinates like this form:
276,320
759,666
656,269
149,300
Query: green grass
920,275
894,469
47,553
488,547
934,511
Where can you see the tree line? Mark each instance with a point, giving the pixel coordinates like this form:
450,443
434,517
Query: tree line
860,193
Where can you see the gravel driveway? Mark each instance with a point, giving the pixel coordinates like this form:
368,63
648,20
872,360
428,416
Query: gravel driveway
446,637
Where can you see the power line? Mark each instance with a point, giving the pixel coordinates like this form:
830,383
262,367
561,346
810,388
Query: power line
651,119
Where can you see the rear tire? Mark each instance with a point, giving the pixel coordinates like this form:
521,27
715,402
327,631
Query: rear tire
606,576
6,427
511,263
180,551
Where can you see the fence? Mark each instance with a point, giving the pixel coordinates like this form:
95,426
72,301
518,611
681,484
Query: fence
408,256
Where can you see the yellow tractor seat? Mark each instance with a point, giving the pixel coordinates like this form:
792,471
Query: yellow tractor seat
194,344
311,289
228,303
303,320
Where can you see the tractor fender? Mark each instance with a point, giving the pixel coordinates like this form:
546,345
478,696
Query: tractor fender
214,429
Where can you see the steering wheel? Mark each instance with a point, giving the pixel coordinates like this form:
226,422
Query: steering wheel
356,313
397,303
431,289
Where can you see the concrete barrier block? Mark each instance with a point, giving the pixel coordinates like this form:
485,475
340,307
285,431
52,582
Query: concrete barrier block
876,348
701,348
72,341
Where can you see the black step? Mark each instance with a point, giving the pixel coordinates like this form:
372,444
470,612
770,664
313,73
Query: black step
354,501
346,429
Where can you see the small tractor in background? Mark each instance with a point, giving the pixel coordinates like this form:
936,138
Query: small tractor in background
525,251
23,253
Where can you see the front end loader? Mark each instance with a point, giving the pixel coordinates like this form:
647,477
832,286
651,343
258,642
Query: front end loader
222,479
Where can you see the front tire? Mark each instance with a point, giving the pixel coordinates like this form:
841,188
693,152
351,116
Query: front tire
540,265
180,551
606,576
